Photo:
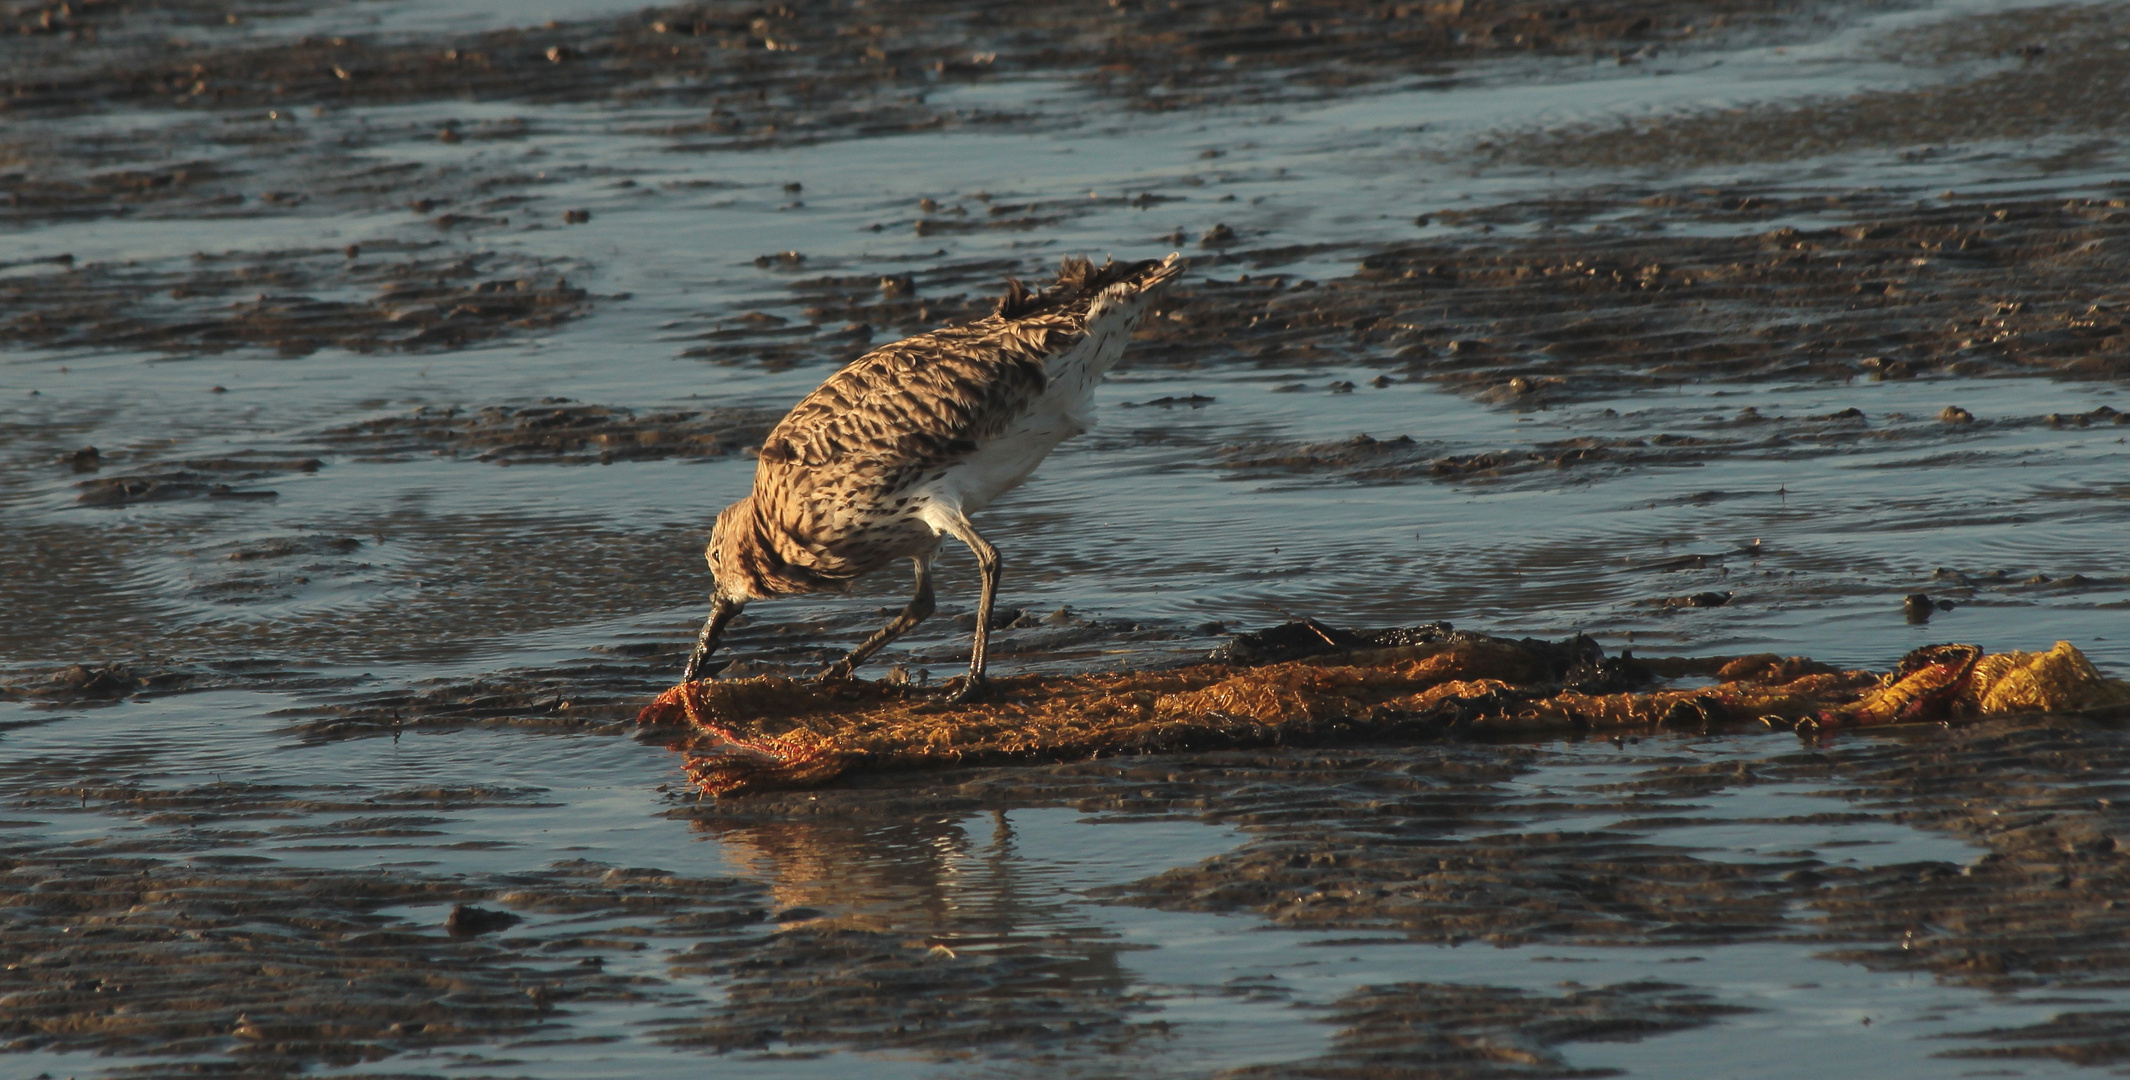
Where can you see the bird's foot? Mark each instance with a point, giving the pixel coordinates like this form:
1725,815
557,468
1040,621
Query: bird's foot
973,688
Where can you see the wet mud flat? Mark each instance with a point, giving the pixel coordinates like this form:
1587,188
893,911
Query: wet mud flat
368,374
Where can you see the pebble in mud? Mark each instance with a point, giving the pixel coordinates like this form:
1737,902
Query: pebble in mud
1954,414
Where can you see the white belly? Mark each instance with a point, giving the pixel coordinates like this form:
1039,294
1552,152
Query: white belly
1066,409
999,465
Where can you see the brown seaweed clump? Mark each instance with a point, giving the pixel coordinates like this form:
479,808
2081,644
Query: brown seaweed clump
775,732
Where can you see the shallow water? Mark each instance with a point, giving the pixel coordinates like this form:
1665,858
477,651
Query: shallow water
403,674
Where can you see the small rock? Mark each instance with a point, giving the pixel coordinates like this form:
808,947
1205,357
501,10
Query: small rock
1217,236
1953,414
1917,607
466,920
576,217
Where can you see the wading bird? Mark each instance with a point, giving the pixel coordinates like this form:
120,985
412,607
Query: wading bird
895,451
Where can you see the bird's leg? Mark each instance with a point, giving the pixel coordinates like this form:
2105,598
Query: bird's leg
918,610
721,612
986,564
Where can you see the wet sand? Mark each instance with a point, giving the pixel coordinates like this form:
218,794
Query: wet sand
369,373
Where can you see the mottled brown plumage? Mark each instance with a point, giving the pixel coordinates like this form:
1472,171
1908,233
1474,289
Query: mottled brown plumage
895,450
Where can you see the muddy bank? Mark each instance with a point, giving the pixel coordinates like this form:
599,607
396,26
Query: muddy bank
805,70
420,582
1747,434
554,431
2041,73
411,297
1420,1030
1947,286
277,972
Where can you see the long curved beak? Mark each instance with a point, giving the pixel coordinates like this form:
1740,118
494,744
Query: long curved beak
721,612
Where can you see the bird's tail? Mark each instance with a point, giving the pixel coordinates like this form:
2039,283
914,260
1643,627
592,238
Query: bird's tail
1080,281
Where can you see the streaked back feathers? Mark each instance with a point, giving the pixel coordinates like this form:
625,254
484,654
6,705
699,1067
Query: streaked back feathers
825,503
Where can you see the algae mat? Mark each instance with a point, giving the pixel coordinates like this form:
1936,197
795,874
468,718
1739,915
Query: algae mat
774,732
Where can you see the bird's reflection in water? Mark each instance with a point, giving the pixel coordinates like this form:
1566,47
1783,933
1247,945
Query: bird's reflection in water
931,932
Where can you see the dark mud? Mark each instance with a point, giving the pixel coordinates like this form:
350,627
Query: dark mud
419,582
255,970
1747,434
554,431
1947,286
2043,70
410,297
804,69
866,990
1430,1029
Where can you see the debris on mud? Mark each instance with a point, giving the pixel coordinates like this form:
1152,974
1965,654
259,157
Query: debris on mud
769,731
556,430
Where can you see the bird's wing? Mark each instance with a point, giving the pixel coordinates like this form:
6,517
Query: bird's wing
912,406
